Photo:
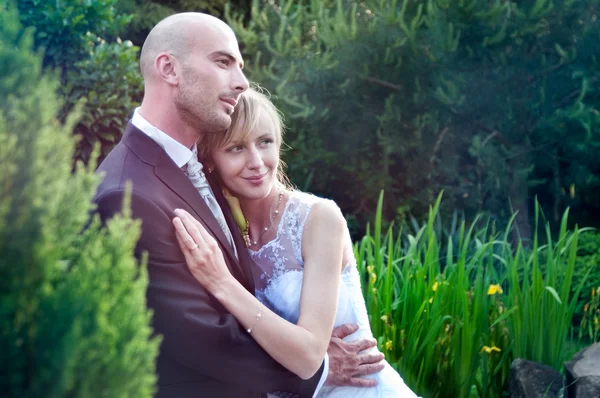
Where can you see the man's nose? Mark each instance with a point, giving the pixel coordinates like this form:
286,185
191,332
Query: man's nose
239,83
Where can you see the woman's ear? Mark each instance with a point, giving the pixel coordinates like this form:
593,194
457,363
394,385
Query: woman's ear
208,164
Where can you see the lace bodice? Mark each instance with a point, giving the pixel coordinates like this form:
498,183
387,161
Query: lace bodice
284,253
279,274
279,264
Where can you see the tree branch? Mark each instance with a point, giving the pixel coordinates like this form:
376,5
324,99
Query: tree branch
384,83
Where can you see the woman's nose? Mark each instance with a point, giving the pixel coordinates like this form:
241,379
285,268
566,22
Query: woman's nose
254,158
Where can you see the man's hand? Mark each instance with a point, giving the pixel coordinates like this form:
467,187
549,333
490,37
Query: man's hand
346,363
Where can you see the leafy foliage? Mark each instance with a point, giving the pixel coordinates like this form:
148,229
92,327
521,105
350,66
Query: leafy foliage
490,101
587,263
110,84
61,27
72,296
146,13
80,39
452,315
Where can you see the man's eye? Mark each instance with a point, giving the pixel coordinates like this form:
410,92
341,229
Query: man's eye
224,62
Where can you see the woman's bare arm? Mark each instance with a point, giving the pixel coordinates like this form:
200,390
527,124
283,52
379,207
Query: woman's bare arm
299,348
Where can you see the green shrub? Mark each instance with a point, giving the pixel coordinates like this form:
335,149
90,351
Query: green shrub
80,40
72,296
109,82
489,100
452,315
590,322
587,263
61,27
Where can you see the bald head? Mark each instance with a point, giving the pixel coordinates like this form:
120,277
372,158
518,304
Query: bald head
178,34
192,68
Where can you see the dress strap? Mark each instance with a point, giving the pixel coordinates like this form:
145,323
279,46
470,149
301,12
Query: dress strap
299,207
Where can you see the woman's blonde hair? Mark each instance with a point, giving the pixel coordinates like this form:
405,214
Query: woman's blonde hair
245,118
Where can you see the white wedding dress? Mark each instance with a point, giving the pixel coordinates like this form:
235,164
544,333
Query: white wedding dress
279,277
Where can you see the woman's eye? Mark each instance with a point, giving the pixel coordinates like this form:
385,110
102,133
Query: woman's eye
235,148
267,141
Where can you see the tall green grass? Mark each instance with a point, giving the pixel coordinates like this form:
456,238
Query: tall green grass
451,317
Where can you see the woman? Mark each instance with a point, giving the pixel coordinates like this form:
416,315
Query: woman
306,276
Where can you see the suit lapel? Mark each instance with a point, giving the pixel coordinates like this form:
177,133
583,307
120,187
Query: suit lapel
178,182
174,178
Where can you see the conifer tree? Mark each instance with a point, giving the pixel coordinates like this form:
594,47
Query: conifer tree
72,296
490,101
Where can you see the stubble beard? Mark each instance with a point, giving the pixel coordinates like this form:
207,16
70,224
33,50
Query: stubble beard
191,103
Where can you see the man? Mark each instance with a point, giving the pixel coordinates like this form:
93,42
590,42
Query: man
192,70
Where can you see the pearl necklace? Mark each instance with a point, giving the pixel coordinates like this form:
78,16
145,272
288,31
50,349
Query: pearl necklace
272,218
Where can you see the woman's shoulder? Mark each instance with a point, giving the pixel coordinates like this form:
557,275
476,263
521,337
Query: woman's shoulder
320,210
310,201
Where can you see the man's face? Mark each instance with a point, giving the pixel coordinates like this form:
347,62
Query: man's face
211,80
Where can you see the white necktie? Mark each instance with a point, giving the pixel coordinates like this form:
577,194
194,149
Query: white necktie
198,179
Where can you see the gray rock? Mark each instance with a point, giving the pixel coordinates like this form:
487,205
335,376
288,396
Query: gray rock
530,379
583,373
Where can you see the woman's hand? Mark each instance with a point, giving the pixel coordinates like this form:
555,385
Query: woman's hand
202,253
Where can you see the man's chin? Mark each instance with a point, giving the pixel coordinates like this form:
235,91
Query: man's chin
218,126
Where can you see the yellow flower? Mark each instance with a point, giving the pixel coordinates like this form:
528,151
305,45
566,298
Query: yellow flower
370,269
373,277
489,350
585,307
431,300
494,289
595,320
384,318
236,210
435,286
388,345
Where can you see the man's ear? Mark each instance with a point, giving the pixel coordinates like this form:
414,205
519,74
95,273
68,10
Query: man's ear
165,65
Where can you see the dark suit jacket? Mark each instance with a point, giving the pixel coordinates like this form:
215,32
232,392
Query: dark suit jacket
205,352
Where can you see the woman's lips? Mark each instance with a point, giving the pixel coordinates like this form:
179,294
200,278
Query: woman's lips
256,179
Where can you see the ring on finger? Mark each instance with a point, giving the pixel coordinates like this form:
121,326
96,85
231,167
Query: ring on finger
194,248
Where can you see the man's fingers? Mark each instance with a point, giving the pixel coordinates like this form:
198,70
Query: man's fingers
363,344
371,368
359,382
344,330
366,359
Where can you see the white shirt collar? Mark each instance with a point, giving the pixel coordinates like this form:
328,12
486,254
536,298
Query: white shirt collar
178,152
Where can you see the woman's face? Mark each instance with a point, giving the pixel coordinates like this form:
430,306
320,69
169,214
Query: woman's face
248,165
